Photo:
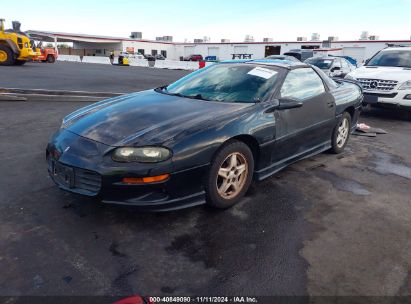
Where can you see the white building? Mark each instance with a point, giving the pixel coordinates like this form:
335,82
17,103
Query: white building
359,50
101,46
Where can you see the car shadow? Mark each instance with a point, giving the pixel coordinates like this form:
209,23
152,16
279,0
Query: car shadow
387,113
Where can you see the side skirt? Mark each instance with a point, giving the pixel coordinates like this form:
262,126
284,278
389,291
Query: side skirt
274,168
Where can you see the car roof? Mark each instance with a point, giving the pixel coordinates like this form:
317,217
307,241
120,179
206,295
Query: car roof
329,57
288,64
397,48
300,51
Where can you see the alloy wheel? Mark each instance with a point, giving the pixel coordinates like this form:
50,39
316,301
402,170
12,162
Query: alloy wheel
232,175
343,132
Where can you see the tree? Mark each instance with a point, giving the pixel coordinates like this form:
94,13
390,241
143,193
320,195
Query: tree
63,46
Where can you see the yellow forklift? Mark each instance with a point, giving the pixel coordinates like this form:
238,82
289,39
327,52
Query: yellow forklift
15,46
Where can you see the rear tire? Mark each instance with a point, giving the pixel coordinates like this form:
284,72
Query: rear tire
51,59
6,55
230,175
341,134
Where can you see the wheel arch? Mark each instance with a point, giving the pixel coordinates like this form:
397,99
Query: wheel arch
252,143
248,140
350,110
11,45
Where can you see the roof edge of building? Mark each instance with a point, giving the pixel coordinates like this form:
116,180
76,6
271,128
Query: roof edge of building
121,39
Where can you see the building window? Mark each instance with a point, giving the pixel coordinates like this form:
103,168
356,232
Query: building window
141,51
310,47
164,53
154,52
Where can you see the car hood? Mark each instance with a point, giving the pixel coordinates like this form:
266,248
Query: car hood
145,118
383,73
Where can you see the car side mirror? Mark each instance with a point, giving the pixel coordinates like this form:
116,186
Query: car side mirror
287,103
366,61
337,68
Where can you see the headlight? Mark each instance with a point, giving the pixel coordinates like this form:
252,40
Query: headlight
405,86
349,77
141,155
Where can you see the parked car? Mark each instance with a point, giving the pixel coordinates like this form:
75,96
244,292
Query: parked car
350,59
386,78
149,57
194,58
282,57
300,54
203,138
160,57
134,56
332,66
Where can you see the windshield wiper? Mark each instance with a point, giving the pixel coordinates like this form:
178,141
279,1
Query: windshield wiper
163,90
198,96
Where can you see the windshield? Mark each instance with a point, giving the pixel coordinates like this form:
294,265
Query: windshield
391,59
227,83
322,63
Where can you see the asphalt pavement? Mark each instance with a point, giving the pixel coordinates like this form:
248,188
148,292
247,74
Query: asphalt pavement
328,225
89,77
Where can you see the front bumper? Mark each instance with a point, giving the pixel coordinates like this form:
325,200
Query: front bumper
396,98
83,166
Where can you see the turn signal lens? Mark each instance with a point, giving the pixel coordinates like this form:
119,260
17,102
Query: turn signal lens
145,180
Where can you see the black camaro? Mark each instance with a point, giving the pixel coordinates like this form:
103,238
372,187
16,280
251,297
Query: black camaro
204,138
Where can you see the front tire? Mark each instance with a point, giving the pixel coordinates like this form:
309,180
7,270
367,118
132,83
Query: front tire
6,55
51,59
230,175
341,134
20,62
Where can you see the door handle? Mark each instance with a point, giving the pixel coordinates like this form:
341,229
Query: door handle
330,104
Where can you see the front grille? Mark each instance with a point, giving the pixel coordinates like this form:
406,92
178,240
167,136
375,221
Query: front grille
75,179
87,180
20,42
378,84
391,95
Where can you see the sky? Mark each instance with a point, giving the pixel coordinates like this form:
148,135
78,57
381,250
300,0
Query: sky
282,20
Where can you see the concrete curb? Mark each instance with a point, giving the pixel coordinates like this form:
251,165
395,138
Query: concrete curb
11,97
12,94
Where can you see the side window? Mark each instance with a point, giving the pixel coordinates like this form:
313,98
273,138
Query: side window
345,64
337,63
301,84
